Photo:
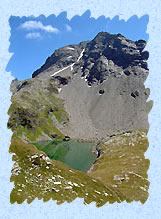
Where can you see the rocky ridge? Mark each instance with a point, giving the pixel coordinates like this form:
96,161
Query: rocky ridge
101,84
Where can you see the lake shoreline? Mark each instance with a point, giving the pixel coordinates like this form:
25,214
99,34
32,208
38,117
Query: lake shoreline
75,153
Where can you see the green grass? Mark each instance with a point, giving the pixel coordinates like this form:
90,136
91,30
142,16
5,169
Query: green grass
124,165
32,110
120,174
34,178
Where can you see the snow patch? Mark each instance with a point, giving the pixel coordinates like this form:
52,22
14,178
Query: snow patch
60,71
81,55
69,66
70,48
59,89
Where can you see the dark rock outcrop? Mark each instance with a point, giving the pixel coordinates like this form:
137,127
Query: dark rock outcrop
109,54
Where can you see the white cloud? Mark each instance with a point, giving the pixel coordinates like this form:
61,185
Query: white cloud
33,25
68,28
34,35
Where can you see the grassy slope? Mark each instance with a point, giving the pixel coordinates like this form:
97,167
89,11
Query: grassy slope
119,174
123,165
33,108
42,178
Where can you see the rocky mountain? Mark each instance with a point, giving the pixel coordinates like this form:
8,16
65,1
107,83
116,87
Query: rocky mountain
93,91
101,83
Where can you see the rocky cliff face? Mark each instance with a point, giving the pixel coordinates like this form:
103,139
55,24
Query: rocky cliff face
106,55
101,85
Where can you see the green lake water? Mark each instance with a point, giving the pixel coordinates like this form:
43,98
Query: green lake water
76,155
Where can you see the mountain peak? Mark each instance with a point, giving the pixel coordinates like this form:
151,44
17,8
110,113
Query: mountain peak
105,56
101,83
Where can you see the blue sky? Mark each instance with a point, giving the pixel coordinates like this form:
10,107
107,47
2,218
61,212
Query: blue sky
33,39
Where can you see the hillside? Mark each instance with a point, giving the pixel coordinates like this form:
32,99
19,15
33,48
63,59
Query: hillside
90,92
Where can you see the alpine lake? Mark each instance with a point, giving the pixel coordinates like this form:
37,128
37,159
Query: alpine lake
77,155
